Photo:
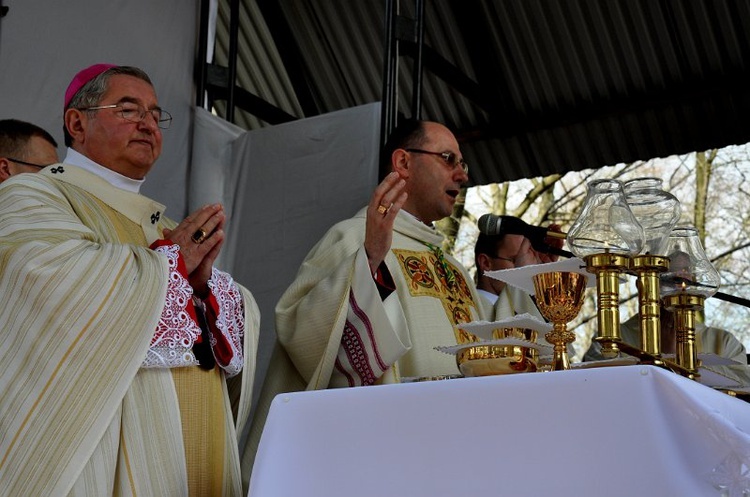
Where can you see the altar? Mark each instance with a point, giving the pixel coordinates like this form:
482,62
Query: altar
615,431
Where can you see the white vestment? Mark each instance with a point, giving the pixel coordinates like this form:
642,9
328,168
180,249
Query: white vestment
82,297
337,329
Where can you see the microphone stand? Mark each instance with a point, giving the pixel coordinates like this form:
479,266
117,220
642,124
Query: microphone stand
732,298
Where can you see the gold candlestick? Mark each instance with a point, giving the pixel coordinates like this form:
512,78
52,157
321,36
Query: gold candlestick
647,269
685,306
559,297
608,267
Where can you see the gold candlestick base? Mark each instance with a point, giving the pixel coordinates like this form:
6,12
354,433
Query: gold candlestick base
685,306
607,267
647,269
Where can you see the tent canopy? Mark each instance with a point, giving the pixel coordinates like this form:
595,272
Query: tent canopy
531,87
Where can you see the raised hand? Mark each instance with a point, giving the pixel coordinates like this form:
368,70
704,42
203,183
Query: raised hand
528,256
552,242
386,201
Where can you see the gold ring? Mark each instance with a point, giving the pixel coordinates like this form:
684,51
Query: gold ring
382,209
199,236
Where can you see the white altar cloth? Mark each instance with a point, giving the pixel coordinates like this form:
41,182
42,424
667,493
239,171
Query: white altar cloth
620,431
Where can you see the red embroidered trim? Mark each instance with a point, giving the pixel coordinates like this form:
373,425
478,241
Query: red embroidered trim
177,330
228,309
353,345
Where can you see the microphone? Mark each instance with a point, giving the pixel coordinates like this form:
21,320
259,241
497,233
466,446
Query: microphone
493,225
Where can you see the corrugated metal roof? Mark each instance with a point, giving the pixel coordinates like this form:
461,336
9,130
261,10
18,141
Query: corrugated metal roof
531,87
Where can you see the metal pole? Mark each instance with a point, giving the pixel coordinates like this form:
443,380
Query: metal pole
390,69
234,28
416,102
200,89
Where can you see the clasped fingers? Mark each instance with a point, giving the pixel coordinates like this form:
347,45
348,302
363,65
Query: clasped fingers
198,234
195,253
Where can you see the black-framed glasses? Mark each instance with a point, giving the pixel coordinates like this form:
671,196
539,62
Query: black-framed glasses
513,261
135,113
449,157
18,161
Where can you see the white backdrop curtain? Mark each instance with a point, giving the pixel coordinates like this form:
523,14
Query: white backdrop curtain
212,165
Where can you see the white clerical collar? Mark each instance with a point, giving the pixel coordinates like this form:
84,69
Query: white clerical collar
491,297
115,179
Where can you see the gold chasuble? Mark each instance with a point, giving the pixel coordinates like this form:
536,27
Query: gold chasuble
429,274
203,427
82,295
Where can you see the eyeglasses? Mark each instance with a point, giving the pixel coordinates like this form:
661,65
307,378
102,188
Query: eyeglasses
136,113
449,157
17,161
502,258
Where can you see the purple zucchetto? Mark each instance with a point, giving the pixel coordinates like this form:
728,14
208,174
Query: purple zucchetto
83,77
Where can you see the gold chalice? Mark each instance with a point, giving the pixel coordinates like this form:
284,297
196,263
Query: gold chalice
559,296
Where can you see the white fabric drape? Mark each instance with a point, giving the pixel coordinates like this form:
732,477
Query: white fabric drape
211,166
619,431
